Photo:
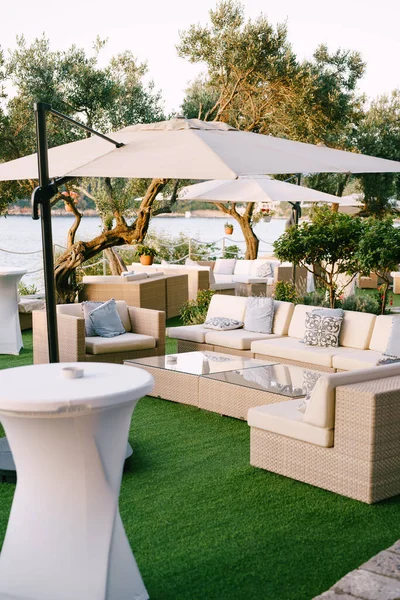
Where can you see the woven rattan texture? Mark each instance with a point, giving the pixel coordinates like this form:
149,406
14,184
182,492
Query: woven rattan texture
364,462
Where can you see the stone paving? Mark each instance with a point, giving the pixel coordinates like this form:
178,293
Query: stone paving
377,579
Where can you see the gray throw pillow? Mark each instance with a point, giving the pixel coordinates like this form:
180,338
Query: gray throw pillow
392,352
259,315
106,320
87,308
322,331
264,270
222,324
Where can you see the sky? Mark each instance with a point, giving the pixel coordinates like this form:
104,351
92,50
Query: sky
150,29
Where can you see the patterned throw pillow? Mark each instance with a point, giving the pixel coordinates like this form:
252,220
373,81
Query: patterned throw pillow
310,378
264,270
222,324
322,331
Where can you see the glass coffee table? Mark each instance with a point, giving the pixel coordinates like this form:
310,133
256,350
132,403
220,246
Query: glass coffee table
177,375
223,383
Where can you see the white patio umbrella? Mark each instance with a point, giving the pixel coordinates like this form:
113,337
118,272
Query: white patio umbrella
259,189
192,149
176,149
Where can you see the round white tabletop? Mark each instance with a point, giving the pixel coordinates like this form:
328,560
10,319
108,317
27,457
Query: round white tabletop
65,538
10,330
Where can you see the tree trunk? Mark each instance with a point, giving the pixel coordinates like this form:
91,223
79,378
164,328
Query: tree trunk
384,292
117,265
122,234
252,241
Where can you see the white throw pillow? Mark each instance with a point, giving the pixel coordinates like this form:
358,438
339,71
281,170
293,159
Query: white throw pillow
222,324
259,315
224,266
392,352
264,270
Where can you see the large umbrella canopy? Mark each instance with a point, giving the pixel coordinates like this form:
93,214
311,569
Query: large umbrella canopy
254,189
192,149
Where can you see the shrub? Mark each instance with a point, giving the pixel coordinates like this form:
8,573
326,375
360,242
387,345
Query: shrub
285,291
368,303
316,298
194,312
26,289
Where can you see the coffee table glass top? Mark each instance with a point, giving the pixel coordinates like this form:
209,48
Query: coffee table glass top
199,363
286,380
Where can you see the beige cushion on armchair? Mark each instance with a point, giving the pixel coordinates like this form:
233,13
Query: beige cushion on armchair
119,343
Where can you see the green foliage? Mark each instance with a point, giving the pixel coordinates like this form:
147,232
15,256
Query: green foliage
329,241
379,135
255,81
27,289
368,303
285,291
379,247
316,298
142,250
228,225
76,83
233,252
194,312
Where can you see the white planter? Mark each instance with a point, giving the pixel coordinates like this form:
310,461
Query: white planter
267,218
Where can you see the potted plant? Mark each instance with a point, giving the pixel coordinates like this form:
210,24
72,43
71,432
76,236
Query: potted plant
228,228
266,214
146,254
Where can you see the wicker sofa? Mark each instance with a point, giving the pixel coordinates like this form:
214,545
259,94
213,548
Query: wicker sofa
347,441
154,290
145,336
363,339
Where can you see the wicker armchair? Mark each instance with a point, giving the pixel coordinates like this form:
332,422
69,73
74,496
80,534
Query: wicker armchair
147,337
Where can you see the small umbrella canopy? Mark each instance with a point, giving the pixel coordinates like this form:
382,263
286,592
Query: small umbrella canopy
192,149
253,189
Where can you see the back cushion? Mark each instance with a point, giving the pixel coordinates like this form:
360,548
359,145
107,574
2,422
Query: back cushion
122,309
320,411
232,307
297,323
224,266
282,317
381,333
356,329
243,267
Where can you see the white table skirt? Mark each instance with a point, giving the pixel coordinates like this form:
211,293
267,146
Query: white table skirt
65,539
10,330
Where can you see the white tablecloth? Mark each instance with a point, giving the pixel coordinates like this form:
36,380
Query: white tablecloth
65,539
10,330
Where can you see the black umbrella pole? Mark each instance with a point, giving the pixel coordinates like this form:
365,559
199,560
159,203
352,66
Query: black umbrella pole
45,195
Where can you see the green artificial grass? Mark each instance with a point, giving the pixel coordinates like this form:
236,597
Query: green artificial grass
204,524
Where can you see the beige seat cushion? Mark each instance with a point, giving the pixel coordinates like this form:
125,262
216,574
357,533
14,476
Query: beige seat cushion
320,411
285,419
293,349
221,286
223,278
231,307
358,359
253,279
191,333
120,343
236,338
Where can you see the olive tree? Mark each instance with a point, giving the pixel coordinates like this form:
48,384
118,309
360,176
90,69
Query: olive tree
330,242
379,251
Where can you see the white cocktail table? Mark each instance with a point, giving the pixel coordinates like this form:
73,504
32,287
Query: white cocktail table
10,330
65,539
